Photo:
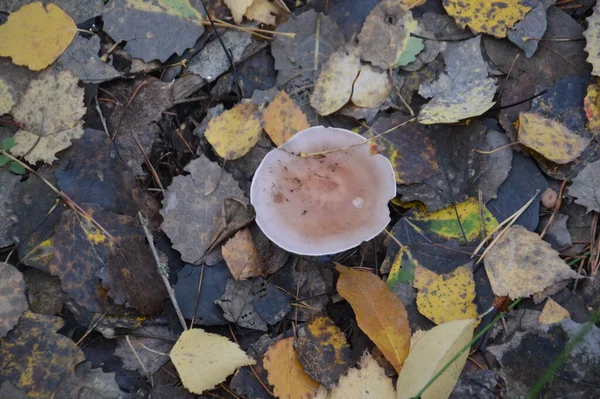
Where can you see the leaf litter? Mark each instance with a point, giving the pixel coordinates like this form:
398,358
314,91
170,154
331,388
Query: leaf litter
128,157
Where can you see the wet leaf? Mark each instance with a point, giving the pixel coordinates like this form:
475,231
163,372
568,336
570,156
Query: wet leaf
215,355
368,382
551,139
233,133
448,296
81,58
427,357
592,40
274,305
371,88
241,256
482,16
553,313
520,264
333,88
386,325
13,301
193,205
35,36
50,114
284,118
323,351
35,358
238,303
586,187
286,373
153,29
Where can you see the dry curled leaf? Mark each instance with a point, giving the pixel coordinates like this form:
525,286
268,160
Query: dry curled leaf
241,256
284,118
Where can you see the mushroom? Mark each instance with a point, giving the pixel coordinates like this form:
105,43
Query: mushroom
322,204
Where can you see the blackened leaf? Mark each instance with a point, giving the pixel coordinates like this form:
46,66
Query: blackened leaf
350,15
255,73
158,338
155,29
533,26
273,306
238,303
81,58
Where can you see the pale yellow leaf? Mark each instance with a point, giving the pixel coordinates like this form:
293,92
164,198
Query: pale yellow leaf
203,360
238,8
286,374
592,40
430,354
368,382
553,313
284,118
241,256
35,148
333,88
35,35
265,11
371,88
233,133
423,277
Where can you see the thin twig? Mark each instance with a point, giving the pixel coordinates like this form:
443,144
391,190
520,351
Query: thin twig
139,360
102,119
162,269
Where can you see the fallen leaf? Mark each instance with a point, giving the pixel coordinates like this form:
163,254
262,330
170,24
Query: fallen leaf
323,351
413,47
586,187
482,16
265,11
80,11
423,277
153,30
286,373
35,36
430,354
553,313
215,355
349,15
192,206
235,215
6,98
402,268
13,301
371,88
284,118
533,26
241,256
233,133
520,264
274,305
145,361
81,58
333,88
449,297
368,382
386,325
385,34
35,358
50,115
592,40
238,8
592,108
550,138
238,303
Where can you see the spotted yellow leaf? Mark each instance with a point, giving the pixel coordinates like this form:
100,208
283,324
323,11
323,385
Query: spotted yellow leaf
284,118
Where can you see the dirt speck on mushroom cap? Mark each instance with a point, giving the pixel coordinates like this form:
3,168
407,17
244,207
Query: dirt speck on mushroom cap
325,204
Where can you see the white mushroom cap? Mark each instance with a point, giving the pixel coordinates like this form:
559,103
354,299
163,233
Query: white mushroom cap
327,204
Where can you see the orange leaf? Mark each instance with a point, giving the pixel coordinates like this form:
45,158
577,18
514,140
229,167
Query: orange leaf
283,118
380,313
286,374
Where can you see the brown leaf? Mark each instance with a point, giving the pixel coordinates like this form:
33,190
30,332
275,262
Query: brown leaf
235,215
241,256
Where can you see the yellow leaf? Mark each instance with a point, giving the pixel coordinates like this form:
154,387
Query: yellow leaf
449,297
286,374
551,139
368,382
380,313
592,39
203,360
423,277
371,88
333,88
241,256
553,313
238,9
50,114
6,99
265,11
521,264
430,354
485,16
35,36
233,133
591,105
283,118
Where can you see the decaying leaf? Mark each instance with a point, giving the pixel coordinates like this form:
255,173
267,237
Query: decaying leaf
214,355
241,256
284,118
551,139
591,105
35,35
233,133
553,313
13,301
371,88
6,98
323,351
149,362
193,205
530,28
238,303
387,326
81,58
153,29
449,297
50,114
35,358
429,354
592,39
520,264
385,34
491,17
286,373
368,382
586,187
238,8
333,88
